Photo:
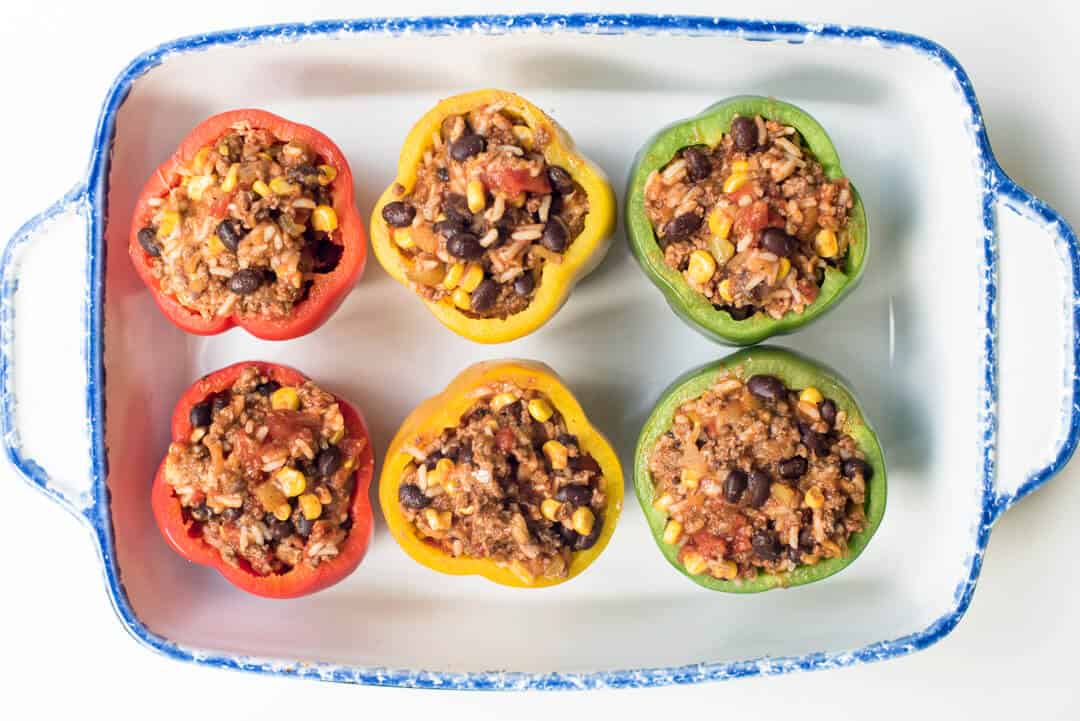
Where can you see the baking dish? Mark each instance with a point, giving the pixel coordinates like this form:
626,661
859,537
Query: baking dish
962,341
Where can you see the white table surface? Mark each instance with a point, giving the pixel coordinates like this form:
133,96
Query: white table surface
62,651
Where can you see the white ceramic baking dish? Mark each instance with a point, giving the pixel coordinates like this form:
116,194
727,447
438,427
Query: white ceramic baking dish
961,341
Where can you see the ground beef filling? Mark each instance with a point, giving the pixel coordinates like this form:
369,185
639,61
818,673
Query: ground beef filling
756,476
752,223
509,484
267,474
247,230
486,213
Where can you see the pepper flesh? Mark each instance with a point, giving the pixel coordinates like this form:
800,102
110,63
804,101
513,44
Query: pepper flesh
556,280
328,290
444,410
796,372
708,128
182,534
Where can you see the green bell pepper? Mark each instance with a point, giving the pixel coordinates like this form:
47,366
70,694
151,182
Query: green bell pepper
708,128
796,372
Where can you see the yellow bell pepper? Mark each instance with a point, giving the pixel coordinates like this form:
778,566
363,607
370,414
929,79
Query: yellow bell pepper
557,280
429,419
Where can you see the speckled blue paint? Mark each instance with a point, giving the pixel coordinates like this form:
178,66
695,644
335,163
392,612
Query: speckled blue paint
94,509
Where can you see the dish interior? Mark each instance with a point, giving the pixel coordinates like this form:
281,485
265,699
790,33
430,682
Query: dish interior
910,340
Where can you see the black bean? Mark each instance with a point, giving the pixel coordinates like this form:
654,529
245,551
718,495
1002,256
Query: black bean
767,387
575,495
231,514
230,232
680,227
806,537
745,133
303,174
442,173
280,530
827,409
555,235
765,546
484,296
326,256
560,180
267,387
467,146
221,402
793,467
346,524
398,214
734,485
328,461
585,462
411,496
819,276
760,484
567,440
741,312
148,241
302,525
200,513
698,166
465,246
525,284
456,207
816,442
777,242
857,466
200,415
246,281
584,543
447,228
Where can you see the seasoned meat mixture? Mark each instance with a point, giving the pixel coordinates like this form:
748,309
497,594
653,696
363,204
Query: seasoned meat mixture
247,229
509,483
756,476
752,223
486,213
267,474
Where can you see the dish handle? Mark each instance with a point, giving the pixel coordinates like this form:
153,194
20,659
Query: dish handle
1039,331
46,279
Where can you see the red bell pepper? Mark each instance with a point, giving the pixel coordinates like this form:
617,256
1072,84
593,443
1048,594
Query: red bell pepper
328,290
183,533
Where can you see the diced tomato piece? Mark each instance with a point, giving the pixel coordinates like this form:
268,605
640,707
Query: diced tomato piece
708,545
219,208
512,181
504,439
746,190
752,218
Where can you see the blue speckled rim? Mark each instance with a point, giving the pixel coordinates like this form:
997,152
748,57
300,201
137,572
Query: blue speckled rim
93,508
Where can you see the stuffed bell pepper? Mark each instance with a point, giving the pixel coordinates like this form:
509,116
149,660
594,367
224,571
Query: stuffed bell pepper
743,217
493,216
266,480
251,222
501,475
759,471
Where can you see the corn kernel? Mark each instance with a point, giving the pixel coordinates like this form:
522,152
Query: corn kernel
281,186
694,563
502,400
825,243
524,135
724,289
783,494
518,200
474,274
453,276
475,196
261,188
726,570
437,476
215,245
663,503
283,512
720,224
462,299
550,508
228,183
327,174
438,521
310,506
672,532
336,437
735,181
324,218
541,410
403,238
811,395
702,267
199,185
269,496
170,219
831,548
285,399
556,454
291,481
583,520
740,166
690,477
814,498
785,268
199,161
